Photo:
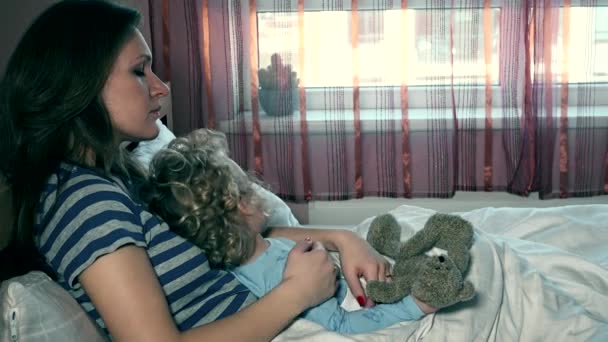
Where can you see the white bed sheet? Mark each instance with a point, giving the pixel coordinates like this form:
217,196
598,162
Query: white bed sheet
540,275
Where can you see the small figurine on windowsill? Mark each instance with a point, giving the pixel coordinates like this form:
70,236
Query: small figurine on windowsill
278,88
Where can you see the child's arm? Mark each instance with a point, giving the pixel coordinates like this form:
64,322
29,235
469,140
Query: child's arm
261,276
330,315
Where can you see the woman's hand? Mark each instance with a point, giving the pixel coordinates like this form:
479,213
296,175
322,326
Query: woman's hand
359,259
311,273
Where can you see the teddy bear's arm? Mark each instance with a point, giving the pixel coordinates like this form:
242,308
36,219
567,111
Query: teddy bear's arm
446,231
421,242
385,292
384,233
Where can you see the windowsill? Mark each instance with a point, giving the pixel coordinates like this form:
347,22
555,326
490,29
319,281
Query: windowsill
391,119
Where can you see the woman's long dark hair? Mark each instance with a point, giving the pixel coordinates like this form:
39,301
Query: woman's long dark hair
51,108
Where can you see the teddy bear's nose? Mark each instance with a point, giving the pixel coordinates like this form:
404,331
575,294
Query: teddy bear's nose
441,258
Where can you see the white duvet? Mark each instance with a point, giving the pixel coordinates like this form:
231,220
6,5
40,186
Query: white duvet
540,275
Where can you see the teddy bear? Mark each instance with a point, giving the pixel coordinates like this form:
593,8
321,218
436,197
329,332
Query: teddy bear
437,280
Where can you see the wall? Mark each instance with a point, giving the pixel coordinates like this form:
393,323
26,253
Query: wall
16,16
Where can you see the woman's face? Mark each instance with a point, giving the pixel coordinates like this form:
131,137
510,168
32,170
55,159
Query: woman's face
132,92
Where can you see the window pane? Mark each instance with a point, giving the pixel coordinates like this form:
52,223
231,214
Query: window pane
588,46
392,46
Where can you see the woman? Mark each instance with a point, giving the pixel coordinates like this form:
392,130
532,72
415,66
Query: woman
78,86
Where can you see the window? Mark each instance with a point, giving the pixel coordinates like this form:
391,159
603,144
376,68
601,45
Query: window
329,57
397,47
586,27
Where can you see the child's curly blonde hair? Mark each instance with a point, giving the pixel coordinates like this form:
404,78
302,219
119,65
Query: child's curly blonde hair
191,186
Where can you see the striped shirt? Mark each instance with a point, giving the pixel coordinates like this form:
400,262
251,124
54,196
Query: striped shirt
83,216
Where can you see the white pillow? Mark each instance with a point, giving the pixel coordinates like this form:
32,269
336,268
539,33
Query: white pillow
35,308
145,150
280,213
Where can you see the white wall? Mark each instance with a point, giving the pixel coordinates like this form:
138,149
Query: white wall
354,211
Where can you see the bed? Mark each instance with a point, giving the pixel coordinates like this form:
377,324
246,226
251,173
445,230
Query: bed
540,275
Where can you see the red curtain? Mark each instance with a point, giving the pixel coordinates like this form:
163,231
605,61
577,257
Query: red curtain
416,99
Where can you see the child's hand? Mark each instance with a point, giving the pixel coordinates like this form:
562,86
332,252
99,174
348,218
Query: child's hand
427,309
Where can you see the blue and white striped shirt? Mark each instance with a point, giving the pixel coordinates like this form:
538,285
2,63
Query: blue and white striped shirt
83,215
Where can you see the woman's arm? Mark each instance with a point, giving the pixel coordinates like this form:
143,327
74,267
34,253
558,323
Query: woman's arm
357,257
125,290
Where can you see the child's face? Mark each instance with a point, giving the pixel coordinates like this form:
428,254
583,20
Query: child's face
254,217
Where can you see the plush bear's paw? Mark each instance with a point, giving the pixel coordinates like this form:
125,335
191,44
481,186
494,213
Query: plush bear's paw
444,297
467,292
383,292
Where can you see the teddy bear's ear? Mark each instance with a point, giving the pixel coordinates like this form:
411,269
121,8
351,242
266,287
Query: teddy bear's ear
467,292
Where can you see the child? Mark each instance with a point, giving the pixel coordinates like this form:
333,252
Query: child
195,188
